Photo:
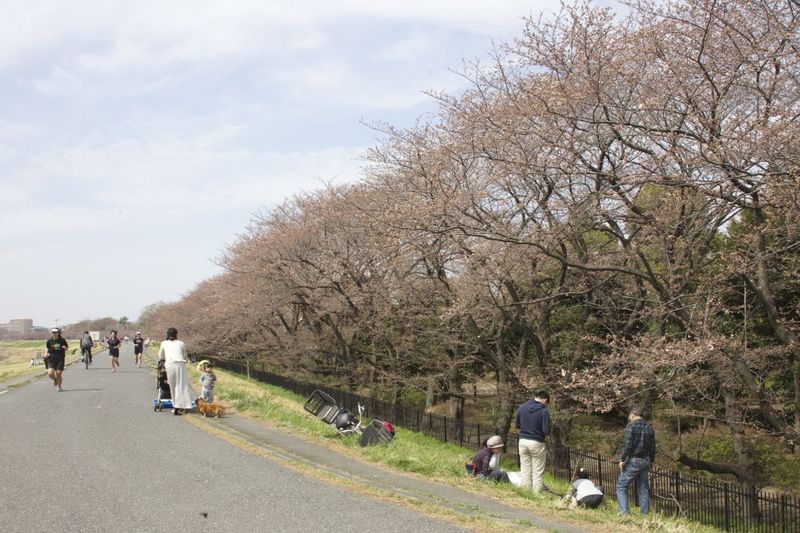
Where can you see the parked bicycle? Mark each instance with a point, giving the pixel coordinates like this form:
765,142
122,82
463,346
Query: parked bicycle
324,407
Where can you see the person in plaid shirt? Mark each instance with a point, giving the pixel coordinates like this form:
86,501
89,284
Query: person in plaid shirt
638,454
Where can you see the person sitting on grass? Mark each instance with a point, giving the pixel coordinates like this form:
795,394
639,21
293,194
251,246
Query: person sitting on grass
486,463
583,492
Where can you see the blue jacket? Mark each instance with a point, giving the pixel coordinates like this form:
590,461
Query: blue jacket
533,421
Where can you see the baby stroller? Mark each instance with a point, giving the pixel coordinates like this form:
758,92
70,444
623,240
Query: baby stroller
164,396
324,407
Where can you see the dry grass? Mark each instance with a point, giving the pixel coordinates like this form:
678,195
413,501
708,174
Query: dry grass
15,357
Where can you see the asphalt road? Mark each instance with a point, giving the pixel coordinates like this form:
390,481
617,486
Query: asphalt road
95,457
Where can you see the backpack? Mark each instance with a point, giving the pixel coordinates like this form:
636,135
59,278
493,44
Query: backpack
86,341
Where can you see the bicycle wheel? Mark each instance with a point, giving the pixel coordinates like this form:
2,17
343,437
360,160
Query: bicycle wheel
86,360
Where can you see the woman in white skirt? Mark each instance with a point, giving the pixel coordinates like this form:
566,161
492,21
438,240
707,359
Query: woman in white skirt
173,353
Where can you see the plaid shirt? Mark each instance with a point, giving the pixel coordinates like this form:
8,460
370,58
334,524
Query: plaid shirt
640,441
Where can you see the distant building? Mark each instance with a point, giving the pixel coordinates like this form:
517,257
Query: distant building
20,326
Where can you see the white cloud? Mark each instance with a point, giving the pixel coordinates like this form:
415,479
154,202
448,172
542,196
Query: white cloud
406,49
321,76
153,130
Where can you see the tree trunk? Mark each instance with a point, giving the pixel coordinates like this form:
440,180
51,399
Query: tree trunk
763,290
745,457
430,396
507,395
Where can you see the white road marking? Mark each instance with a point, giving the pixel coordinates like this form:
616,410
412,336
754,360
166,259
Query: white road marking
3,391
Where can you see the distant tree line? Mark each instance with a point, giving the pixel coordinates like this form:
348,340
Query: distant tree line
611,211
103,325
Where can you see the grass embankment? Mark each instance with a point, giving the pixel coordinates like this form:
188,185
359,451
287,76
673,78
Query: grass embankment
418,454
15,357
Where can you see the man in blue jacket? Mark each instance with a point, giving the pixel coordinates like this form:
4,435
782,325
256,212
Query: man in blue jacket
533,423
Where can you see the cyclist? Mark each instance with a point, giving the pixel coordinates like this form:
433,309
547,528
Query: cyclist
87,343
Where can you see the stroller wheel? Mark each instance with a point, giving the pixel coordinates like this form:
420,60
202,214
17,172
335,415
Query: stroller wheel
155,408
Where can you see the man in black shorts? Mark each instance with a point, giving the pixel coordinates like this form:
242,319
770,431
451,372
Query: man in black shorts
56,355
113,349
138,348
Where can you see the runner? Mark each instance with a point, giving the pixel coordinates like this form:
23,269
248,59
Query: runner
56,355
113,349
138,348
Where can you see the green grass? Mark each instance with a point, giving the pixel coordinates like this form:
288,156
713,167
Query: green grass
419,454
15,357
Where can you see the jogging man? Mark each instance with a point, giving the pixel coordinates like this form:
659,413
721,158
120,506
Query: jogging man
56,356
138,348
87,343
113,349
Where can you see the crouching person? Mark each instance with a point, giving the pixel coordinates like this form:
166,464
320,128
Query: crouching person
486,463
583,492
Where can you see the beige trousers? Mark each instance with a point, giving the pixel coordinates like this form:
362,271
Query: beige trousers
532,456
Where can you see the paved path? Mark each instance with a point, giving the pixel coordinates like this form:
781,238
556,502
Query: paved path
95,457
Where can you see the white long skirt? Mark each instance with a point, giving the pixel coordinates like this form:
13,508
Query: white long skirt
178,379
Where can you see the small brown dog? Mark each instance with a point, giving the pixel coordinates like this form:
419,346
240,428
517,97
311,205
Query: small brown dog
209,409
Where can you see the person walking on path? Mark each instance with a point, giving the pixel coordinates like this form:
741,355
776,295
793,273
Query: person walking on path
55,358
113,349
533,423
638,455
173,353
87,343
138,348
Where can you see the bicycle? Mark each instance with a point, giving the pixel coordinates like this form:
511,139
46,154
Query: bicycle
86,356
324,407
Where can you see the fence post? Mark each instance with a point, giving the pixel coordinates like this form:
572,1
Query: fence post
727,508
569,463
247,364
445,420
678,487
600,470
783,513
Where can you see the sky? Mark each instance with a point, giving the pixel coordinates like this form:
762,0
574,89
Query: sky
138,139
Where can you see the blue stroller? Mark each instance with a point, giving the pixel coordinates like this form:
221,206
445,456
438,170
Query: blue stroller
164,396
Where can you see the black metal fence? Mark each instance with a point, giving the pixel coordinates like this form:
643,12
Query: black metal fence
727,506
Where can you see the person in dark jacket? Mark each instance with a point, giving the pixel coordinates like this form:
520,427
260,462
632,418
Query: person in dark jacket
637,456
486,463
87,343
533,423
